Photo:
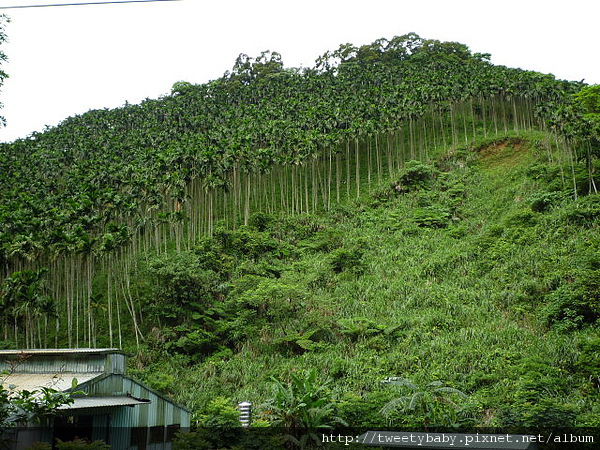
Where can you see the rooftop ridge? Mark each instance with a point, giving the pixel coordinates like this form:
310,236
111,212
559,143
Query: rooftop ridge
60,351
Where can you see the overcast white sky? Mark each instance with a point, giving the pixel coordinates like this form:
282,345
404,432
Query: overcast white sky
67,60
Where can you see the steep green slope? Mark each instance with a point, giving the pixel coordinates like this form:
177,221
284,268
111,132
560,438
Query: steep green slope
403,209
80,202
479,272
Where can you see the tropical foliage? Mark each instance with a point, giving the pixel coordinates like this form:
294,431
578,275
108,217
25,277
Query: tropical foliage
83,199
491,317
403,207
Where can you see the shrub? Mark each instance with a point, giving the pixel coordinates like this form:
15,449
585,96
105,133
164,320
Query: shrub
271,298
346,260
261,221
81,444
583,212
298,343
533,408
180,285
196,343
323,241
365,409
359,327
533,411
304,407
161,381
548,175
40,446
235,439
545,200
416,175
431,217
191,441
432,405
587,363
575,303
520,218
245,241
220,412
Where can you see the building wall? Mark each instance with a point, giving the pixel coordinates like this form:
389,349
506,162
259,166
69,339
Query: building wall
151,424
160,411
110,425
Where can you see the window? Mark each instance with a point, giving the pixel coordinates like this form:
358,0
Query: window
138,436
157,434
172,431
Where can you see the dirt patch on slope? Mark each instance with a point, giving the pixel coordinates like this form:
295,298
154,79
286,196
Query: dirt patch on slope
507,152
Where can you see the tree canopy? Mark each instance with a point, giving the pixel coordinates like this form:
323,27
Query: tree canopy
163,172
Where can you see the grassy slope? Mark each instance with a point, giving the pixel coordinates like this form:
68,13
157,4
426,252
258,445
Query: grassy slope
445,282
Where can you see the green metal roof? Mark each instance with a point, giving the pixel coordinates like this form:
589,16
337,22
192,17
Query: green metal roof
60,351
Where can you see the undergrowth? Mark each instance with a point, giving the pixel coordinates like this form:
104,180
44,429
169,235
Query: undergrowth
478,273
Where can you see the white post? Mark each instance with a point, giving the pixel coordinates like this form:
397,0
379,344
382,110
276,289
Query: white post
245,413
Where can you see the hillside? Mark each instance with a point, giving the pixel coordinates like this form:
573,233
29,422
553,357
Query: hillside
80,201
478,271
404,220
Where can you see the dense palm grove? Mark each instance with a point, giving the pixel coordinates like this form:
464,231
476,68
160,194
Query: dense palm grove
123,227
256,134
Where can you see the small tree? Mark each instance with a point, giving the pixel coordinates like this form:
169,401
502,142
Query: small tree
23,302
304,407
431,405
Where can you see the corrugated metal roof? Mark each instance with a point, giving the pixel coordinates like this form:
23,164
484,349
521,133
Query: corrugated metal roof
98,402
59,351
35,381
